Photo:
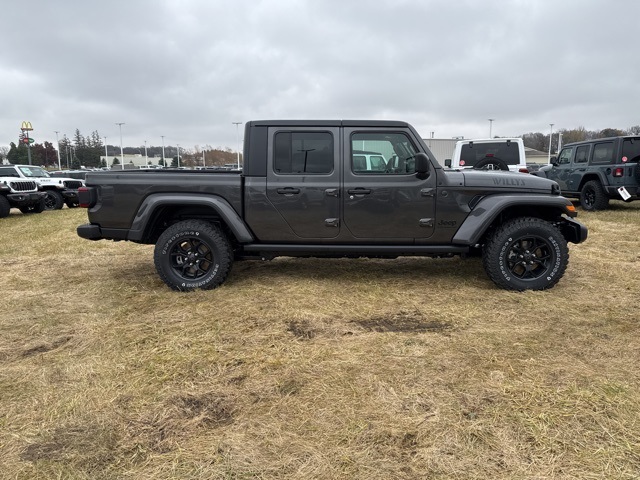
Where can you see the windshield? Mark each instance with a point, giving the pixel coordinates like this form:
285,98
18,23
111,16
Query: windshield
471,153
33,171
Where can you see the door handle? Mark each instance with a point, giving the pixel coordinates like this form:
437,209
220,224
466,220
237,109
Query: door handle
288,191
331,192
359,191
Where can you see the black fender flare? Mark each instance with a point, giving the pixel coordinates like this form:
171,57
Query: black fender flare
488,209
235,223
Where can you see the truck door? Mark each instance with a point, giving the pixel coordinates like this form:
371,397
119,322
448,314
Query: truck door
384,201
303,182
570,168
563,169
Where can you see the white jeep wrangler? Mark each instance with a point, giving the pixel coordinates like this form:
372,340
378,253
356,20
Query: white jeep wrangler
489,154
58,190
20,193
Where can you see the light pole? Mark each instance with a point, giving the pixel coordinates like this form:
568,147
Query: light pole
164,162
66,144
58,142
106,153
146,157
121,151
178,155
237,124
550,138
491,126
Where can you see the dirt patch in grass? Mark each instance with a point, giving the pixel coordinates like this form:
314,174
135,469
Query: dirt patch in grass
403,322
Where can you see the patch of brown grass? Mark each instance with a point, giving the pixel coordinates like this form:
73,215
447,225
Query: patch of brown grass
311,368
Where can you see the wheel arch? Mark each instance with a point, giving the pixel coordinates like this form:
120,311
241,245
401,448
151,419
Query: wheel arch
160,211
591,176
495,210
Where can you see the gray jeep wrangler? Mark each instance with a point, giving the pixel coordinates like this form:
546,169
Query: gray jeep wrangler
596,171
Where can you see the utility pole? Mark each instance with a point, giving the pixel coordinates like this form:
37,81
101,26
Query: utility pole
58,142
164,162
550,138
237,124
121,150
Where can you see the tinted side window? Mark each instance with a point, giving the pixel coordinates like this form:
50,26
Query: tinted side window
8,172
582,154
565,156
603,152
303,152
631,150
382,153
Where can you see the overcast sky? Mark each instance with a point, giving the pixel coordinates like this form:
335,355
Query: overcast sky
187,70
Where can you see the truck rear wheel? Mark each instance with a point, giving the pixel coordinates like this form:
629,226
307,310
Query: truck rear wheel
593,196
53,200
193,254
526,254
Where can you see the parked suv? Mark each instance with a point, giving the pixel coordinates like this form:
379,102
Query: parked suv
58,190
596,171
19,193
489,154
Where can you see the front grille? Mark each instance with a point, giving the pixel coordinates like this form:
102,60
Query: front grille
75,184
23,185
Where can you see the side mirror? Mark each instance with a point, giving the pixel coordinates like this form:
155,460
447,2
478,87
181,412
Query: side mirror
447,163
554,161
422,165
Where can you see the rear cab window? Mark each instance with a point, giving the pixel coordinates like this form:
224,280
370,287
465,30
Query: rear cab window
472,153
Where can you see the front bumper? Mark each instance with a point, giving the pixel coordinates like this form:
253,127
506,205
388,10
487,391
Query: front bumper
573,230
25,199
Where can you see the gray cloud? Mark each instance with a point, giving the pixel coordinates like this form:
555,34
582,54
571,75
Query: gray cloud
188,69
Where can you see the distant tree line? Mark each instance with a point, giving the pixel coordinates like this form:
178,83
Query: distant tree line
540,141
81,151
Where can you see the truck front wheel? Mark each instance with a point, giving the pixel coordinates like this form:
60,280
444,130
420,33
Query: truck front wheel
5,207
193,254
526,254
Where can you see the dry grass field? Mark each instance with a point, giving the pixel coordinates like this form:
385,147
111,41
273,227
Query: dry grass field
315,369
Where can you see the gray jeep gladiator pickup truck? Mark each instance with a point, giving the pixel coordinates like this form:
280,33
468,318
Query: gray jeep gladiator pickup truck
318,189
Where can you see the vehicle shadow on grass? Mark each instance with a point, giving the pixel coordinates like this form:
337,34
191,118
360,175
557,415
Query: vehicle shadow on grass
386,271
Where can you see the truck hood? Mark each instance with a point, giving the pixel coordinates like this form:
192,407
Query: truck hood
509,181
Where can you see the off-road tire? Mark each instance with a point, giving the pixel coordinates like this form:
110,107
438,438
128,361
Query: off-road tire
526,253
498,164
53,200
193,254
593,197
36,208
5,207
